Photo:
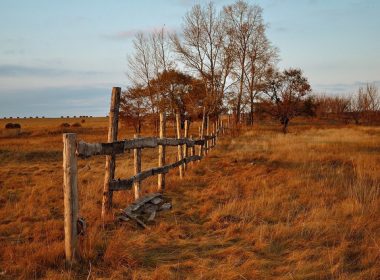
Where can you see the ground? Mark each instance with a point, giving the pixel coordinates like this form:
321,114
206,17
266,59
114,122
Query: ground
261,205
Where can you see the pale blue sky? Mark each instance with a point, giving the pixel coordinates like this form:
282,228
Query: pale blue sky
63,57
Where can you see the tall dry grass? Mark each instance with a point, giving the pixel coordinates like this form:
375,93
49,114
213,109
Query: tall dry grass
262,205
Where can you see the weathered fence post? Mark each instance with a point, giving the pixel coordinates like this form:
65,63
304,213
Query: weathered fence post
70,192
178,120
137,169
192,149
207,146
186,135
113,121
217,127
161,152
213,141
200,150
203,147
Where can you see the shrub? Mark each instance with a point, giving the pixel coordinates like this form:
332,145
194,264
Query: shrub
83,121
12,125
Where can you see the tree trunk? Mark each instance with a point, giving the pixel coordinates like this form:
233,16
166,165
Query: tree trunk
285,123
251,112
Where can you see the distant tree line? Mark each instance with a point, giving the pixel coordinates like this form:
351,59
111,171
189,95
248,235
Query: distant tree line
222,61
362,107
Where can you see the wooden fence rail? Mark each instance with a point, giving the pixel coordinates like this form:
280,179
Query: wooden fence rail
85,150
73,149
126,184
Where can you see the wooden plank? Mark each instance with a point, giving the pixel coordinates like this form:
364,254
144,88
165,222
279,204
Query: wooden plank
180,156
209,137
85,150
161,153
110,159
126,184
70,193
141,201
137,169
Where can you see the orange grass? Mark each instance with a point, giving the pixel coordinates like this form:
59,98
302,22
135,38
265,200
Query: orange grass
262,205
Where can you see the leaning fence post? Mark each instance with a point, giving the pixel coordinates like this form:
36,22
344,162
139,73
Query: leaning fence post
161,152
137,169
178,120
186,135
70,193
113,121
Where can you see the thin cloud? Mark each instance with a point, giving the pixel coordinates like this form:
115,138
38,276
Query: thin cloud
55,101
129,34
122,35
280,29
14,52
341,88
21,71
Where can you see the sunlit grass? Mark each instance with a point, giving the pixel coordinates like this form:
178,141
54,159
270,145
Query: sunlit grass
262,205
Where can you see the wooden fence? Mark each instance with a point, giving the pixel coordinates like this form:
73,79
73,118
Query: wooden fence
72,149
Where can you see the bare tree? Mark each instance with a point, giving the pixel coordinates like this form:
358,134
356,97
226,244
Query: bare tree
141,67
242,22
365,104
205,50
262,56
161,52
150,58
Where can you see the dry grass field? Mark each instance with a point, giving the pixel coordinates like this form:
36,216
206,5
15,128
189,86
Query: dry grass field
261,205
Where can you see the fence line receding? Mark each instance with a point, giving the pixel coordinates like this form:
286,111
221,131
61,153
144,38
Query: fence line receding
74,149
